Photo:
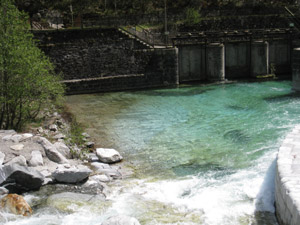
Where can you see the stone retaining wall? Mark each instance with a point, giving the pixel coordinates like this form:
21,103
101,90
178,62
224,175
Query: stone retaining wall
95,60
287,183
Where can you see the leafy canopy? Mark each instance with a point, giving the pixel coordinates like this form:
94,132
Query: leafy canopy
27,80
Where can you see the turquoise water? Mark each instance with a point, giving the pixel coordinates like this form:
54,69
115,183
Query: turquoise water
200,154
189,130
206,148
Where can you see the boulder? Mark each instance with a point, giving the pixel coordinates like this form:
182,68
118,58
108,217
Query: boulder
121,220
63,149
53,127
72,175
2,157
59,136
92,157
26,136
3,191
16,138
90,144
108,155
106,170
18,179
52,152
101,178
17,147
36,159
16,204
40,130
19,160
7,137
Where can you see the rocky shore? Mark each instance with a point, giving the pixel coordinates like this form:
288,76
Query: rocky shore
46,158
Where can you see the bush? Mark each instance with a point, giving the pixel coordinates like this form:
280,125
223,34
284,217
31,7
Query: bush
27,78
192,17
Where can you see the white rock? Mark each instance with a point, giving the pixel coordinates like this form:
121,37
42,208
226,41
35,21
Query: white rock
17,147
121,220
40,130
63,149
101,178
16,138
59,136
26,136
108,155
86,135
106,170
36,159
20,160
2,157
7,137
52,153
53,127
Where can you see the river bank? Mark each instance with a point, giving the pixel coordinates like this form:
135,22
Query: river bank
57,174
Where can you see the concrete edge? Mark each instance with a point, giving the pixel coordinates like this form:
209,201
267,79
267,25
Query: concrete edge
287,181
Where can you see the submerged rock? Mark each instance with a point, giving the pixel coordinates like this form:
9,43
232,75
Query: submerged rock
20,179
72,202
72,175
108,155
121,220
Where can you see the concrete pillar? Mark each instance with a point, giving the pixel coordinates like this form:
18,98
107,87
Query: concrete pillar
215,62
296,69
259,58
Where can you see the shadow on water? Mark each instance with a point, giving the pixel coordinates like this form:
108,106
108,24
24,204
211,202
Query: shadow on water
282,98
195,168
236,107
175,92
237,136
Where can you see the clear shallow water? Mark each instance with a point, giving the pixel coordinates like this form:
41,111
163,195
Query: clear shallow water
201,155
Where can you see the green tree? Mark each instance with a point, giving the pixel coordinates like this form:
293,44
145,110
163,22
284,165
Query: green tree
27,80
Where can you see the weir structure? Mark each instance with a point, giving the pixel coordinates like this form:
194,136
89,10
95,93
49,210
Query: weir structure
234,55
97,60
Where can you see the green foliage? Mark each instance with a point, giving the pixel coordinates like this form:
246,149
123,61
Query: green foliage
27,80
76,131
192,16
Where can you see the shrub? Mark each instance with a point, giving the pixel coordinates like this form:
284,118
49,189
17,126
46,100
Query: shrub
192,17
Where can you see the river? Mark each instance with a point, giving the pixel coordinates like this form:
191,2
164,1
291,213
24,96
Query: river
200,154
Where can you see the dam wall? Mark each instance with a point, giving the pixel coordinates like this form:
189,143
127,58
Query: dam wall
235,60
107,59
287,182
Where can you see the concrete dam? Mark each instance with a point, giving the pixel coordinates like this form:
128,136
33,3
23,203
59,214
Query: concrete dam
96,60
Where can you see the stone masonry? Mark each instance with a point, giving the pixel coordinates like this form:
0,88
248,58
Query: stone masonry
97,60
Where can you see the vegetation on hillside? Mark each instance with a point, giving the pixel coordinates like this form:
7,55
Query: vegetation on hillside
125,7
27,80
